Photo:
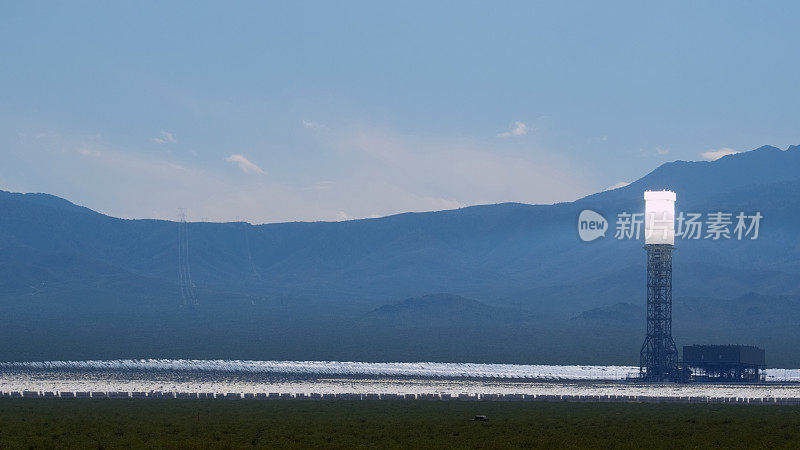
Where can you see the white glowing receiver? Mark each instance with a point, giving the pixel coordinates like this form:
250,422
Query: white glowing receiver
659,217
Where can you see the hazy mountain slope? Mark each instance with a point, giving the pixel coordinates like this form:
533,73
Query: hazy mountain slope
486,252
626,285
87,280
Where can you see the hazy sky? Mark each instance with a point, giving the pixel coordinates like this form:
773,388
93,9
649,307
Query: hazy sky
334,110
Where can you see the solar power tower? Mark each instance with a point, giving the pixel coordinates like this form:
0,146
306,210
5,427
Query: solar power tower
658,359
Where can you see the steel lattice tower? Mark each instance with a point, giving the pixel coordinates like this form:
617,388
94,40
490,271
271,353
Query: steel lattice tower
188,295
658,359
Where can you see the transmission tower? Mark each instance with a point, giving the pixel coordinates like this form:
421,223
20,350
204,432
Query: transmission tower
188,295
255,274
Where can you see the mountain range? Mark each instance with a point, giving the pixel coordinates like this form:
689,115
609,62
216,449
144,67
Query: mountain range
520,285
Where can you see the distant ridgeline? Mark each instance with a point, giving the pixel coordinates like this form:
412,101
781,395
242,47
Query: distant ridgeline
522,287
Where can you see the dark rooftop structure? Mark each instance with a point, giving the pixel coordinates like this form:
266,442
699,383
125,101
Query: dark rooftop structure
743,363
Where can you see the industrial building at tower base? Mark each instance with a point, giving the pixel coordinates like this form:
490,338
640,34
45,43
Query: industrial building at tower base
658,357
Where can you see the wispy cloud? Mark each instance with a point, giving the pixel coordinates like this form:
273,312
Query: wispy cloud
323,185
164,138
90,152
364,172
662,150
517,129
427,174
314,125
617,185
245,164
712,155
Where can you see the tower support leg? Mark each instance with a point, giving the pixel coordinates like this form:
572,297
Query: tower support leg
658,358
